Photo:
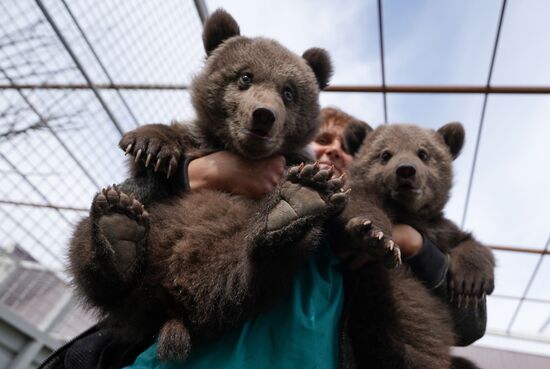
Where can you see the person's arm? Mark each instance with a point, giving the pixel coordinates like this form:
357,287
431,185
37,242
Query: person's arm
220,170
430,265
231,173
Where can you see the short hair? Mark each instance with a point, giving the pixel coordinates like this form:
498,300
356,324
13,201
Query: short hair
332,116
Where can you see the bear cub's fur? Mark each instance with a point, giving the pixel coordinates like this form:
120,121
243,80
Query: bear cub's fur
196,264
403,174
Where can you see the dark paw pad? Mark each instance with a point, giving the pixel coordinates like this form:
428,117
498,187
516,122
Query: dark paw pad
120,226
174,341
330,189
297,202
367,238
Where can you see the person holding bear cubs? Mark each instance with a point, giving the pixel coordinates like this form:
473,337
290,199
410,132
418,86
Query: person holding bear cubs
254,178
428,263
266,290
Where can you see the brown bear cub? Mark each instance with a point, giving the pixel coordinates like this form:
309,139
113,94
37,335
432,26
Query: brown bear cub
196,264
403,174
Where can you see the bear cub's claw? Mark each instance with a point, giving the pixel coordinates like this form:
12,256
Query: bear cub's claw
112,200
366,237
468,288
160,152
471,275
309,192
330,189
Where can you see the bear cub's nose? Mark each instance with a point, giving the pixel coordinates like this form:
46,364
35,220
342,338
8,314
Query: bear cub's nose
263,119
405,171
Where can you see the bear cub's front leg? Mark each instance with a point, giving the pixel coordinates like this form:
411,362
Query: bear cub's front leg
365,236
119,230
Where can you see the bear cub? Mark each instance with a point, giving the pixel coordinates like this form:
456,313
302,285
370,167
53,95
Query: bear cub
195,264
403,174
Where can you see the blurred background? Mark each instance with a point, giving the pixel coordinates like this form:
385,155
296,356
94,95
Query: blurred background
76,74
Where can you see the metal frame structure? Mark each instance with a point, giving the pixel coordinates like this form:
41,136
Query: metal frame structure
385,89
23,345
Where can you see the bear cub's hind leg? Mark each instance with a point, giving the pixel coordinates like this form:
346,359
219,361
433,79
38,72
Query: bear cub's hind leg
309,193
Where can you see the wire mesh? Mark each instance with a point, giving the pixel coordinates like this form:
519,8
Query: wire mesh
59,147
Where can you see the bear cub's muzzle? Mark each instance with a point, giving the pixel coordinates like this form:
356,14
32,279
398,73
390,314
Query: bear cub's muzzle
262,123
406,180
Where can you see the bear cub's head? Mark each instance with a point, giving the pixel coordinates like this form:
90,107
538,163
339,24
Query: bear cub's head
254,96
408,166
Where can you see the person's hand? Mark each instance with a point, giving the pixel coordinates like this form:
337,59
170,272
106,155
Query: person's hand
232,173
407,238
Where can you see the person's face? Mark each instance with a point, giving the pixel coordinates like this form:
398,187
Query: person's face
329,149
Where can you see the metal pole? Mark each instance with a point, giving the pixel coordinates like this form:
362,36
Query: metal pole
79,65
482,119
94,53
407,89
201,9
382,63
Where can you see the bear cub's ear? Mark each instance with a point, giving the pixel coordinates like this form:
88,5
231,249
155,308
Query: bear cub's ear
453,135
354,135
319,60
219,27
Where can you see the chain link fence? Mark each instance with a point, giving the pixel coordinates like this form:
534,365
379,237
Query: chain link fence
73,77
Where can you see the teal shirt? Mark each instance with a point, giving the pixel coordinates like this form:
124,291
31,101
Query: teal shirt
300,332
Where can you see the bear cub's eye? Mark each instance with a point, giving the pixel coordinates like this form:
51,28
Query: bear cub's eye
423,155
288,95
245,80
385,156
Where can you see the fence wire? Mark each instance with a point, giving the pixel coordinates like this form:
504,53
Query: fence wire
59,147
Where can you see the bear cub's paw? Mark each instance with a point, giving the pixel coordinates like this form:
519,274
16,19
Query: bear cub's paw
156,147
368,238
469,282
308,193
329,189
122,224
